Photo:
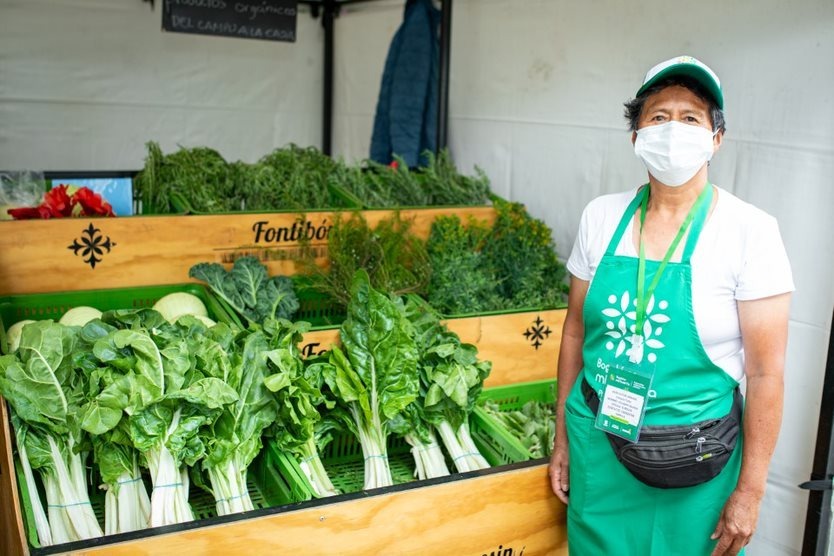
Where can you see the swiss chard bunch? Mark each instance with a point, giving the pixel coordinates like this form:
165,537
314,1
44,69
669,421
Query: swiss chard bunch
374,374
451,379
46,391
233,440
249,289
159,380
299,397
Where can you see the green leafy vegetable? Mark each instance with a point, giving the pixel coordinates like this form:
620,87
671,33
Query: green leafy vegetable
534,425
438,183
510,265
201,179
393,257
375,377
249,290
299,397
45,392
234,438
451,379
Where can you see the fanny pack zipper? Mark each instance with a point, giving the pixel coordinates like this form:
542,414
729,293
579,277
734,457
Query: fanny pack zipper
707,451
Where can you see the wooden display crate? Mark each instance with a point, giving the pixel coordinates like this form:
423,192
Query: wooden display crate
505,511
511,507
522,346
40,256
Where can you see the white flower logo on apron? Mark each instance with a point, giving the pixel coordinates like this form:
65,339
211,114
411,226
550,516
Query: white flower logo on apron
621,324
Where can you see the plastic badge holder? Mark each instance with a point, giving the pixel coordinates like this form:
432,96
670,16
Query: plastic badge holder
490,435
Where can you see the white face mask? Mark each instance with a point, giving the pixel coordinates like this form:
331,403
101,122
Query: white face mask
674,152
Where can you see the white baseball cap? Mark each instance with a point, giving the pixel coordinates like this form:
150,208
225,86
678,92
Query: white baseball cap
688,66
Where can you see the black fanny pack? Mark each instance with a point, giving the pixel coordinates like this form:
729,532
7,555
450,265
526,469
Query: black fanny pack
679,455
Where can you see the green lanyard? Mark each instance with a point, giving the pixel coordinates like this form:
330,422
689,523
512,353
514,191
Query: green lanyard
643,294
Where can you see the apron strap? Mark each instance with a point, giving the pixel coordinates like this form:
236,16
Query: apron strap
697,226
626,218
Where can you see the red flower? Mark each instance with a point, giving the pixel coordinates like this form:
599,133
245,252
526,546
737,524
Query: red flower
394,165
26,213
58,203
91,203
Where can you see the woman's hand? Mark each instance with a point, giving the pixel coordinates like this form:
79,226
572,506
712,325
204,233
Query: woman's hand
569,366
559,470
764,333
737,523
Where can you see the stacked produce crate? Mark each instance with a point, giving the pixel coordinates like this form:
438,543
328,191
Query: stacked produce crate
139,259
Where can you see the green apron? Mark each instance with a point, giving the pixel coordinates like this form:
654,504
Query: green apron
610,512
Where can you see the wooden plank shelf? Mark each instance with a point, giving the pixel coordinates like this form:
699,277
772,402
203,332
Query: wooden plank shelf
499,512
40,256
522,346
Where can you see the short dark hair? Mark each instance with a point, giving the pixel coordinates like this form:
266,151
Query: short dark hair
634,107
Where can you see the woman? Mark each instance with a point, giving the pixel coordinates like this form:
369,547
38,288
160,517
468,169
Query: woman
680,333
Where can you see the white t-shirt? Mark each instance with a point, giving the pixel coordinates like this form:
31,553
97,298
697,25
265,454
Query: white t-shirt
739,256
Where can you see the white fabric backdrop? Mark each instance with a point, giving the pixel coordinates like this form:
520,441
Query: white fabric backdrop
536,98
537,88
85,83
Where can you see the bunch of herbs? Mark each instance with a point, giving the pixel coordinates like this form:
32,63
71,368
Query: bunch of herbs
509,265
395,259
199,179
396,185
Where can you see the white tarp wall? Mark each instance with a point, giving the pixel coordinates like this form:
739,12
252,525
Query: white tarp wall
537,88
85,83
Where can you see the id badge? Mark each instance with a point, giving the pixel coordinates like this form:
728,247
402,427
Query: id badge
624,400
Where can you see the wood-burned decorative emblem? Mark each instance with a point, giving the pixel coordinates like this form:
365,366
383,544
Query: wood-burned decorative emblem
92,245
537,333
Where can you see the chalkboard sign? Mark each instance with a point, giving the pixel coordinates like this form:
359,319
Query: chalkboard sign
272,20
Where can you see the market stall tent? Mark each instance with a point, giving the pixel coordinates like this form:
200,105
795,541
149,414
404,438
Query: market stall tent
536,89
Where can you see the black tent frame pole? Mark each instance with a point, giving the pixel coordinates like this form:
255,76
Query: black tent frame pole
443,85
818,517
328,15
328,10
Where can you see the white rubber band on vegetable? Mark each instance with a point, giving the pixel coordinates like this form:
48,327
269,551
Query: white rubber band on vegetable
174,485
68,505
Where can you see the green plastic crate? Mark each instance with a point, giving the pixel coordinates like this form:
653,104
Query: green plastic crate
345,464
266,483
492,436
45,306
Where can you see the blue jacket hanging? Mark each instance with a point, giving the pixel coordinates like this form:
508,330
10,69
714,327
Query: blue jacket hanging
406,112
